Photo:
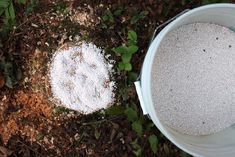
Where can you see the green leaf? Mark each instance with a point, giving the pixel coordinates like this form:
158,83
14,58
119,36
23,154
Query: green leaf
135,144
143,14
132,35
132,49
137,149
137,127
165,11
7,15
12,11
97,134
134,19
131,114
18,74
4,3
108,16
104,26
153,141
126,57
138,16
105,17
123,92
1,11
132,76
9,82
31,7
119,11
128,66
150,125
121,49
39,136
22,1
59,110
138,152
61,7
115,110
121,66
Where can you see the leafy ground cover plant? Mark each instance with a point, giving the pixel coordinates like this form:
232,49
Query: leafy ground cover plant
139,123
126,50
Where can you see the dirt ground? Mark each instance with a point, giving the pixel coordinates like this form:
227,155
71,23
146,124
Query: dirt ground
30,123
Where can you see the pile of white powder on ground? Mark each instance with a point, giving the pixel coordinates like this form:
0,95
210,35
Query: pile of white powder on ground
193,79
80,78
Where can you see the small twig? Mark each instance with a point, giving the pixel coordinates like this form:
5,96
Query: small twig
123,40
18,33
26,21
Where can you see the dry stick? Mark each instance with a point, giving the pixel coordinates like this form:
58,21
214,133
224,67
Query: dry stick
123,40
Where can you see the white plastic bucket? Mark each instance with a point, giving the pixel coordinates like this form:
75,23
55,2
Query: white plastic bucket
221,144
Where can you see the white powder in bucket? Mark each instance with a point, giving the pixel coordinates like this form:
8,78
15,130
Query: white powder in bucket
80,78
193,79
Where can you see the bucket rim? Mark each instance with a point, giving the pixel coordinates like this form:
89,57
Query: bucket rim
145,77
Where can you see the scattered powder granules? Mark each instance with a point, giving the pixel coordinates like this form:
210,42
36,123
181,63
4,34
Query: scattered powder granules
80,78
193,79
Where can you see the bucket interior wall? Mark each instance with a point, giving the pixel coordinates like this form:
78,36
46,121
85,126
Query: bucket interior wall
219,144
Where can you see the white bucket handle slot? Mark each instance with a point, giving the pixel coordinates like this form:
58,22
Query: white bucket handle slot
140,96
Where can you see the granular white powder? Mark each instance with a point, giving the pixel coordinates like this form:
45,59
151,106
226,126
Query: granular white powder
193,79
80,78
